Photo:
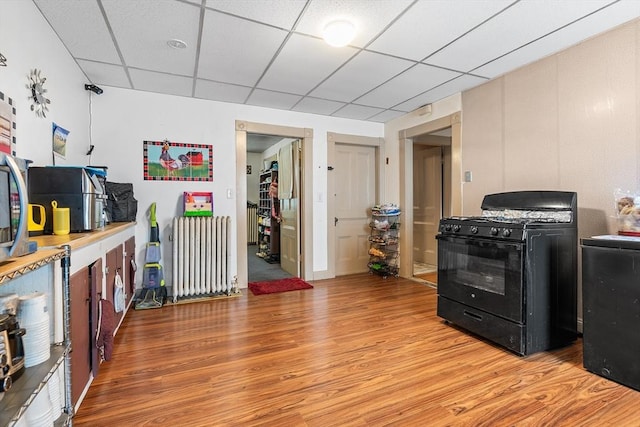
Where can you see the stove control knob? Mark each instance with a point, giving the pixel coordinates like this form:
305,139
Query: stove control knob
447,227
474,230
506,232
456,227
494,231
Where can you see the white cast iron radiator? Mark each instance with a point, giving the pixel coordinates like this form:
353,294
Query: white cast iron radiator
252,223
201,252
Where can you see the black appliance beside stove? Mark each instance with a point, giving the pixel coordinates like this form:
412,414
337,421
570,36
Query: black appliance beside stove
610,315
510,275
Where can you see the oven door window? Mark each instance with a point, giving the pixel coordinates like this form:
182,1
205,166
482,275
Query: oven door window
483,274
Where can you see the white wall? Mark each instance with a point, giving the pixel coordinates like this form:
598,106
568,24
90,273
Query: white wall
123,119
27,41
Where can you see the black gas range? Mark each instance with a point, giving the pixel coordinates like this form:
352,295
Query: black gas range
510,275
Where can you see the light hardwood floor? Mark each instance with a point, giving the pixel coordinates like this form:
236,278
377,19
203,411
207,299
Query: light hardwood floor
354,351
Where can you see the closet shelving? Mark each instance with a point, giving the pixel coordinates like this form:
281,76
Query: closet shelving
268,211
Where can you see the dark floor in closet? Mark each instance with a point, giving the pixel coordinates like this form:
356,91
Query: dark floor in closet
260,270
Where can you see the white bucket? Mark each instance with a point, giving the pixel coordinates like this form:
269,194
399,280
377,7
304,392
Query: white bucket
39,413
32,309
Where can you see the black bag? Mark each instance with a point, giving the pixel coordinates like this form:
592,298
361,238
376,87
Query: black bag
121,205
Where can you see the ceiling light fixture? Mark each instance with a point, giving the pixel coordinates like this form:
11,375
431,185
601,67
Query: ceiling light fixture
177,44
339,33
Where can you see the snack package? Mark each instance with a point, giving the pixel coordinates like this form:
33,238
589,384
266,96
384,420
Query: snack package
627,208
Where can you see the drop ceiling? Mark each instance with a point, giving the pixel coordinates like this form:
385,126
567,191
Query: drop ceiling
269,53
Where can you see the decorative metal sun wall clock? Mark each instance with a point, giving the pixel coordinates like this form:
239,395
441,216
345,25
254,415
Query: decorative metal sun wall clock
37,97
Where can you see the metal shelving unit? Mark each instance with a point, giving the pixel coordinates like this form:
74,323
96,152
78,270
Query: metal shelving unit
383,242
33,380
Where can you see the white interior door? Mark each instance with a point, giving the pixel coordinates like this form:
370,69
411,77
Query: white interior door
427,201
355,194
290,219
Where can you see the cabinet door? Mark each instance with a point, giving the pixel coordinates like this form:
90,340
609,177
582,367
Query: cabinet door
96,276
129,259
114,263
80,335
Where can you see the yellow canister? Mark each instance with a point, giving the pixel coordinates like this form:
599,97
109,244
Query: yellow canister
61,224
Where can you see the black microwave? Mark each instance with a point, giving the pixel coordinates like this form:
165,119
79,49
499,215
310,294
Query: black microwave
14,201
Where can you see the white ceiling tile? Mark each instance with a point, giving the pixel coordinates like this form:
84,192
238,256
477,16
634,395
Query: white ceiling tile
416,80
358,112
265,98
369,17
317,106
163,83
100,73
81,28
234,50
457,85
610,17
363,73
302,64
489,40
242,46
386,115
143,28
272,12
221,92
429,25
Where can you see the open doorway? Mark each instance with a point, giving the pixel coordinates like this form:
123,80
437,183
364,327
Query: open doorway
428,137
273,169
297,225
431,179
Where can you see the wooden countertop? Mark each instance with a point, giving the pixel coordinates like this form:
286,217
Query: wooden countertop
79,240
49,249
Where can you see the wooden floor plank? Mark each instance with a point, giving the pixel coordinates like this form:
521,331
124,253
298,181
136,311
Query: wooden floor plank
354,351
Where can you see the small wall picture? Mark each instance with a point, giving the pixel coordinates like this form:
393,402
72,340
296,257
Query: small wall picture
7,124
60,141
176,161
248,169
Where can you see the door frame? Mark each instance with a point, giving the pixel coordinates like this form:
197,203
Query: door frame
406,137
305,204
334,138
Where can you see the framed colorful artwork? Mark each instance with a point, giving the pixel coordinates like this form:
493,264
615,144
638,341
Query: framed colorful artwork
59,141
177,161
